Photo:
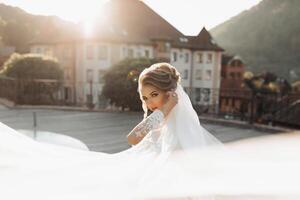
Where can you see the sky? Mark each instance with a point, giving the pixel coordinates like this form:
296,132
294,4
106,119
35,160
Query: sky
188,16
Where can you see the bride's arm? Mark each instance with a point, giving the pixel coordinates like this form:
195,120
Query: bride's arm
152,121
149,123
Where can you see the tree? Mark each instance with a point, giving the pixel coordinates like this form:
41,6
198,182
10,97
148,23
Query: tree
266,82
31,66
121,82
266,88
37,77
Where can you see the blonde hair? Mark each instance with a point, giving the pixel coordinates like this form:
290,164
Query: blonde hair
162,76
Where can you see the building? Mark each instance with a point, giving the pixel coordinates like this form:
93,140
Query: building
64,52
234,98
144,34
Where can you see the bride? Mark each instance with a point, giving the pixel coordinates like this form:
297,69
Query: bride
157,86
172,157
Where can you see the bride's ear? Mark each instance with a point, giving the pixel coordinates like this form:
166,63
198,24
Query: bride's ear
168,93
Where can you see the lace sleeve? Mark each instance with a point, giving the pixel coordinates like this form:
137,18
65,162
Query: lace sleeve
149,123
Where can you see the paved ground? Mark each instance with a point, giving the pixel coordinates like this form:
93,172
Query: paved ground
101,131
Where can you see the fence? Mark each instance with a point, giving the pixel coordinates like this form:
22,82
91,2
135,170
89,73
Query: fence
33,92
245,105
254,107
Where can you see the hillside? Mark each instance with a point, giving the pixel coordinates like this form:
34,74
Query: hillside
267,36
18,28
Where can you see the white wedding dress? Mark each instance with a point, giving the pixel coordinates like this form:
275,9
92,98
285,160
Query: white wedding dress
177,159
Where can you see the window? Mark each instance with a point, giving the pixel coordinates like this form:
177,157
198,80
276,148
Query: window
236,63
205,93
174,56
67,93
223,74
67,72
229,102
101,76
147,53
185,74
208,75
198,95
209,58
198,75
130,53
102,52
200,58
167,46
90,52
226,102
232,75
161,47
186,58
89,75
124,52
183,39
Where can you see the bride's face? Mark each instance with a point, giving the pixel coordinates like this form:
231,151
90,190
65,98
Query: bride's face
153,97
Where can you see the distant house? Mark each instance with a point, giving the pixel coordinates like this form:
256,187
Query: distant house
233,96
132,29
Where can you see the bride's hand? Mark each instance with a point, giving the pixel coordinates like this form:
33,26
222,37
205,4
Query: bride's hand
170,103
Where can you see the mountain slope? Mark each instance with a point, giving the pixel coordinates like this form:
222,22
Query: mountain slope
267,36
17,27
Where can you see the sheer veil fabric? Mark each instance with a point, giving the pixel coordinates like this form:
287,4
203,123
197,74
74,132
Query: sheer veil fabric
52,172
178,158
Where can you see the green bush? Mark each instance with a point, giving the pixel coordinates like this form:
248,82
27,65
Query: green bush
31,66
37,78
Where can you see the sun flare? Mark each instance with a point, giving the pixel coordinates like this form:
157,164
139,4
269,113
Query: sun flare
88,26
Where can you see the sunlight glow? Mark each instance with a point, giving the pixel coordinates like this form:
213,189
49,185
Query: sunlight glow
75,11
88,28
187,16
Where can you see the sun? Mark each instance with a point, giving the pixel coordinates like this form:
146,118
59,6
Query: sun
78,12
87,14
89,27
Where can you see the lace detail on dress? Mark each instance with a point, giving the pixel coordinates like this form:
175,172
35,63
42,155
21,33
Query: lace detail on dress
149,123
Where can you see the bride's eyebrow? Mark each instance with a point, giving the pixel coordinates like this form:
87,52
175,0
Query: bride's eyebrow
153,92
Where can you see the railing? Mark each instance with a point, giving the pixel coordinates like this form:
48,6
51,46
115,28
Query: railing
33,92
244,105
253,107
8,88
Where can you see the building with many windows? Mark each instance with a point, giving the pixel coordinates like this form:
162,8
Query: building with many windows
131,29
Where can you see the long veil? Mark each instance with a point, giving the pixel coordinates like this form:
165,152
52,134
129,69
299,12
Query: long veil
170,160
181,130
